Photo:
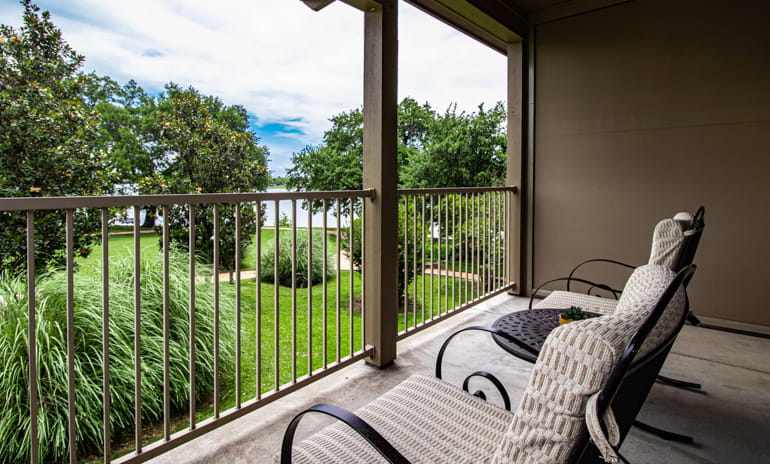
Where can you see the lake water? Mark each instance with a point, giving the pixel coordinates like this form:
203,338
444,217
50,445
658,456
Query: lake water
284,209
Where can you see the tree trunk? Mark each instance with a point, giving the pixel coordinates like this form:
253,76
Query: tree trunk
149,217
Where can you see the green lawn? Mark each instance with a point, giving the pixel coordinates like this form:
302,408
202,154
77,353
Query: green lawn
285,332
336,346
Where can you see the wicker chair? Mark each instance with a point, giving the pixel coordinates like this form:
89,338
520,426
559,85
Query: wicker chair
587,386
674,244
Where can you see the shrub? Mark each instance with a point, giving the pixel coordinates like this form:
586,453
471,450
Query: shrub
52,353
419,232
267,260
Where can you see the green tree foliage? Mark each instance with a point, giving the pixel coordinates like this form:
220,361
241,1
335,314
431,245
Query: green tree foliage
456,149
207,148
128,127
460,150
48,138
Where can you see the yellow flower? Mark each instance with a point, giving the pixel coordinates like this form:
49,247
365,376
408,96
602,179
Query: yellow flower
34,189
15,39
198,189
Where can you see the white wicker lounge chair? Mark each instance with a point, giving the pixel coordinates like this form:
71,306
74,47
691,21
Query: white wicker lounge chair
674,244
582,370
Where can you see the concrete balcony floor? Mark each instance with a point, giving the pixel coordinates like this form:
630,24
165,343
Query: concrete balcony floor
730,418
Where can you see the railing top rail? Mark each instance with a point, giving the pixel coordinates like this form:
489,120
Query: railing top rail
38,203
438,191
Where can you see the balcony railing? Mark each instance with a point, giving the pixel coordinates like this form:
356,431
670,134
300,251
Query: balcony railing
454,251
238,345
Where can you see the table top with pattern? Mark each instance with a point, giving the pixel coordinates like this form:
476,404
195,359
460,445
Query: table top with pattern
529,329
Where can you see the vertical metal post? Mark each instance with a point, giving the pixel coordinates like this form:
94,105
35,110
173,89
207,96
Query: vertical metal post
438,250
276,296
363,273
70,258
137,335
310,287
237,305
34,444
454,248
324,283
446,253
466,240
350,260
166,242
422,260
338,284
294,291
191,245
406,263
432,246
258,309
215,273
106,449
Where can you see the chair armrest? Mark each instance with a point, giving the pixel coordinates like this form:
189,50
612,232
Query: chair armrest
494,380
360,426
596,260
614,291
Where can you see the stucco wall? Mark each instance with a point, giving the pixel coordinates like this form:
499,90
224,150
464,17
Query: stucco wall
647,108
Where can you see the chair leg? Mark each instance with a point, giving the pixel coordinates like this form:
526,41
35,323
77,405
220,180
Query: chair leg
664,434
678,383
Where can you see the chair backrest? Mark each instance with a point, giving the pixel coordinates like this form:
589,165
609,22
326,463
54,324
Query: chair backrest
632,377
579,359
675,240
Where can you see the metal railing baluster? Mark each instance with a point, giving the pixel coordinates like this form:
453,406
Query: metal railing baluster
70,269
34,444
422,260
309,288
137,335
276,305
294,291
405,254
166,326
337,329
215,274
105,238
258,306
191,337
324,282
351,238
237,304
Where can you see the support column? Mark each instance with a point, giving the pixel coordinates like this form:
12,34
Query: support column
380,173
515,169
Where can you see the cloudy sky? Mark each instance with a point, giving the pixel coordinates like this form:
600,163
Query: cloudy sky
290,67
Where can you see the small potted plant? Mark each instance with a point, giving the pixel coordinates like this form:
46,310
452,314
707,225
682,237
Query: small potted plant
574,313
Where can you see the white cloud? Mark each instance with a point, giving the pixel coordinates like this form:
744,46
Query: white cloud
282,61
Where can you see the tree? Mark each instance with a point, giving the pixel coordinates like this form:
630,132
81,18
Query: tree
207,147
127,132
460,150
48,139
449,150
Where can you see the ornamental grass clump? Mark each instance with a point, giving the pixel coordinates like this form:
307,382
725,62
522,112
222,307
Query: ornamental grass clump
51,293
267,260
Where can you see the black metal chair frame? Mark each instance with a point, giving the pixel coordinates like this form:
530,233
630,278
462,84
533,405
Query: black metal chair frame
686,256
625,391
